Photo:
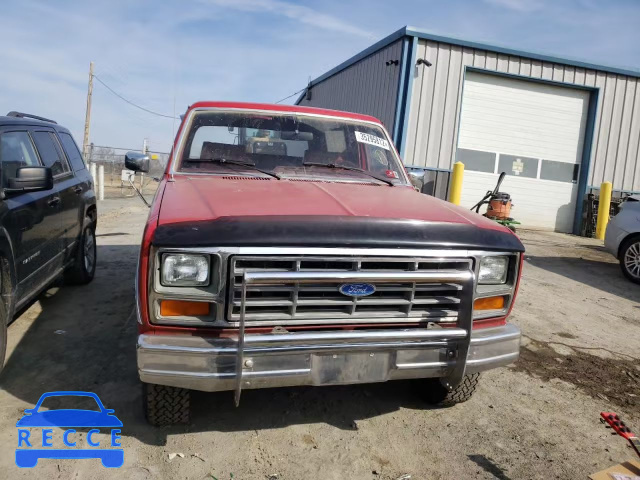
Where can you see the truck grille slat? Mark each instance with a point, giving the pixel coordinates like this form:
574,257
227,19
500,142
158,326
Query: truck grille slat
297,303
342,301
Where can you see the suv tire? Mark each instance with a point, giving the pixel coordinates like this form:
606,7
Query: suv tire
6,306
83,268
435,393
166,405
3,334
630,258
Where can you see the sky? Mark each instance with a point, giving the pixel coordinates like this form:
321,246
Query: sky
165,55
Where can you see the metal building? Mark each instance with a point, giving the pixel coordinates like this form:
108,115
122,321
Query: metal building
557,127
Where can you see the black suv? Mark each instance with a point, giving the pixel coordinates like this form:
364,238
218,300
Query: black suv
47,213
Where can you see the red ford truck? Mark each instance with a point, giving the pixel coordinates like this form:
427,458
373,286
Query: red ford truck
286,246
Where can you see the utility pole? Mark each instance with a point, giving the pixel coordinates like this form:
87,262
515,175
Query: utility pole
87,118
145,146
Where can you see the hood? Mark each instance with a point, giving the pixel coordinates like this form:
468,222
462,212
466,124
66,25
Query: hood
254,211
208,197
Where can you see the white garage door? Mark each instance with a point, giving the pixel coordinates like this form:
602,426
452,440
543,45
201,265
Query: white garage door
532,131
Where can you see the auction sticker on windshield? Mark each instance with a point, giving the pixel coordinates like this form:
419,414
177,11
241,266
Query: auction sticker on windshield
371,140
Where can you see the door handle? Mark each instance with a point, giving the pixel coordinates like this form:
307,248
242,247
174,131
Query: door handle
78,189
54,201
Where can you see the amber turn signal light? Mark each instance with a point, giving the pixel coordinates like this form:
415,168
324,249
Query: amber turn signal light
489,303
180,308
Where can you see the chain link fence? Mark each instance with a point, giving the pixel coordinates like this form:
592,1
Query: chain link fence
116,183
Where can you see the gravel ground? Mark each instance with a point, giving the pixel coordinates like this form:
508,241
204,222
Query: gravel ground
537,419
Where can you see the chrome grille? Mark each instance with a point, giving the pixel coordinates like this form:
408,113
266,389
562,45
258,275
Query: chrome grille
392,302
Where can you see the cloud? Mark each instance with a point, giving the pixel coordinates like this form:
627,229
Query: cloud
303,14
249,50
523,6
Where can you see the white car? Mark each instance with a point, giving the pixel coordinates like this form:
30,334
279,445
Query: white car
622,238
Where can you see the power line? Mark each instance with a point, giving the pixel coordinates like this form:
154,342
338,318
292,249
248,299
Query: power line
294,93
130,149
131,103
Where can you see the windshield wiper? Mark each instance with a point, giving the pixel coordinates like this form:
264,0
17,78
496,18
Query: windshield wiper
235,162
346,167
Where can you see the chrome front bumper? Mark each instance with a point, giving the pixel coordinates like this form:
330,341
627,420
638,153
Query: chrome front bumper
324,357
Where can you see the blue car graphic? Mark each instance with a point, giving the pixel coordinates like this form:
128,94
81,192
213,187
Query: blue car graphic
28,457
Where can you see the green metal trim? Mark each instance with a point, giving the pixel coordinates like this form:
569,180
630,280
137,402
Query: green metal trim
517,76
430,169
407,95
400,104
585,164
412,31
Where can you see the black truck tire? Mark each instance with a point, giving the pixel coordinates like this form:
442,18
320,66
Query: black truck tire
83,268
435,393
165,405
4,321
6,305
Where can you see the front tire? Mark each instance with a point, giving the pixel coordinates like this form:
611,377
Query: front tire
6,306
630,259
435,393
83,268
165,405
3,335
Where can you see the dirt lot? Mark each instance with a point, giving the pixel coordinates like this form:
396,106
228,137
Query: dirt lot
538,419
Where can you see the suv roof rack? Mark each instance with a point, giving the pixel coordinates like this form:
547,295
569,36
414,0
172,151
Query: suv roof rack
28,115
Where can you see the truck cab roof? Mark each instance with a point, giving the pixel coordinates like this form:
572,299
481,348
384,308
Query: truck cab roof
276,107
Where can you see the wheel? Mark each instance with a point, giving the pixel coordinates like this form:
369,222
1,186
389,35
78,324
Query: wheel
165,405
435,393
83,268
630,259
6,306
3,336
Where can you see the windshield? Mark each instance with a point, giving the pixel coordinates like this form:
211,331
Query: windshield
289,145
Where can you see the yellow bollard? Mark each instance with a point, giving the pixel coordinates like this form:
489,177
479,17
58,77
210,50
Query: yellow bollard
455,189
603,209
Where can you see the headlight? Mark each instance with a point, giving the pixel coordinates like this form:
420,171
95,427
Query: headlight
493,270
185,270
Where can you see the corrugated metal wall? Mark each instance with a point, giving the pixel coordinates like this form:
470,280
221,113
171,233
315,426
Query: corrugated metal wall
437,91
369,86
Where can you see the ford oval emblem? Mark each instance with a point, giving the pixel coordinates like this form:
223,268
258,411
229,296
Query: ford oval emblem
357,289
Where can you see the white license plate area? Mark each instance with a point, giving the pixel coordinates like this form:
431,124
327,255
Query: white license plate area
349,368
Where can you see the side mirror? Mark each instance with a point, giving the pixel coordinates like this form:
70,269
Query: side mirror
138,162
31,179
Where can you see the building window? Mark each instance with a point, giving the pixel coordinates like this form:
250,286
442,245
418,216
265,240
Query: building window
518,166
476,160
559,171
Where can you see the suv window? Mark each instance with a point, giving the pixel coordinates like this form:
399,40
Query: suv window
50,152
72,150
16,150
